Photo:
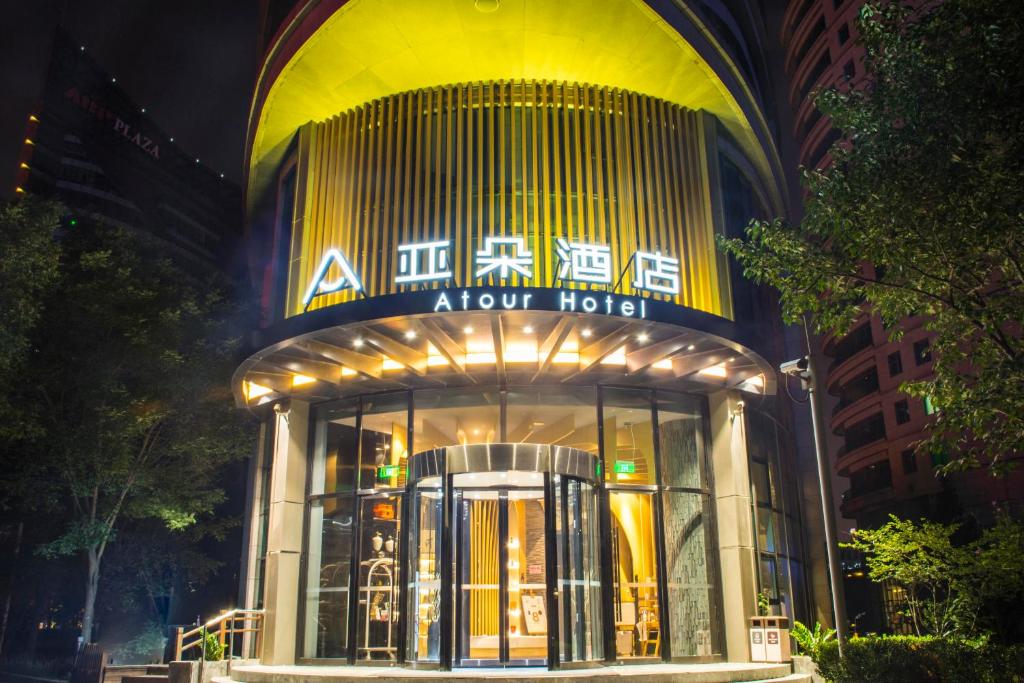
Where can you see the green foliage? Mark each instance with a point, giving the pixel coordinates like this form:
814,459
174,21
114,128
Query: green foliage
947,585
145,647
213,651
915,659
810,642
920,215
763,603
130,389
28,269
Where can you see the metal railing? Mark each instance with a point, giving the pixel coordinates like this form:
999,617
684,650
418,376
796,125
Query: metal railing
224,627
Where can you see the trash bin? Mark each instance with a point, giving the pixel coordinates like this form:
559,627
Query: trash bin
769,639
757,645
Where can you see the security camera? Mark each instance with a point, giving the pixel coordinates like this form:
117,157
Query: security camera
796,368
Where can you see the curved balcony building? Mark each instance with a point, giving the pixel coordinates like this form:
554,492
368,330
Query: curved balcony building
876,425
517,409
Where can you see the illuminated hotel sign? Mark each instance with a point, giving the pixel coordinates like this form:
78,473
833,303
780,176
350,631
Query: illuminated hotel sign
500,258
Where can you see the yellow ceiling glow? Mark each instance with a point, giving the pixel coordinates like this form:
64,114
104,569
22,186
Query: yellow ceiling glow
373,48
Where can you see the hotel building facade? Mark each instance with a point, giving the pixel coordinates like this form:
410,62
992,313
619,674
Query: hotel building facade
516,407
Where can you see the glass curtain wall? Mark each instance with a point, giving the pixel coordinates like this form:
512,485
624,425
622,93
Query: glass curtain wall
776,518
661,597
384,453
631,477
692,581
331,525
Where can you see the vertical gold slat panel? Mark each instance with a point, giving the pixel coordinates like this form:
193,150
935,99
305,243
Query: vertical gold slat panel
533,159
676,181
460,215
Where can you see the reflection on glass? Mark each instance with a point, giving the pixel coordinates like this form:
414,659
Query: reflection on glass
327,579
579,575
681,440
425,572
334,460
628,437
448,417
692,604
526,577
379,531
477,540
552,415
385,441
635,579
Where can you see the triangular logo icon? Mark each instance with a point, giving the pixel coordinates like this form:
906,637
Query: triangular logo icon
346,279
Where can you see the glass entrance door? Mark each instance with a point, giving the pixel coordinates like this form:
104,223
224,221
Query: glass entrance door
501,573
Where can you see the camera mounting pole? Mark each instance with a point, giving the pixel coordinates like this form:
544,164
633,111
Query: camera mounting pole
806,369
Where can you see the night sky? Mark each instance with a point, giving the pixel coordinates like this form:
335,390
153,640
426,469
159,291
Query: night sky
190,63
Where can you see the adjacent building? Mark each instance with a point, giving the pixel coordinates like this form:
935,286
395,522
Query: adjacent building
516,407
875,425
90,145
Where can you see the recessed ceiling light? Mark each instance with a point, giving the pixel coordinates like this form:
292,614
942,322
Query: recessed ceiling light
410,334
587,332
528,329
642,337
357,343
467,329
691,347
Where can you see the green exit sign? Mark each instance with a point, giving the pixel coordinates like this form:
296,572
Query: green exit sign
387,471
624,467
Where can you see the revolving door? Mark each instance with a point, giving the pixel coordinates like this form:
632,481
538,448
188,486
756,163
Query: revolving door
504,565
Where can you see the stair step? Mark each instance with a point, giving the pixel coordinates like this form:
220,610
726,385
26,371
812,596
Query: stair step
157,670
148,678
792,678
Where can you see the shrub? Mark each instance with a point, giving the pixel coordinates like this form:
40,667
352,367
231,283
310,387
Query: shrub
213,651
915,659
809,641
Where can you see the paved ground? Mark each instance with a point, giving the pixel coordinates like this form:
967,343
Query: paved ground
653,673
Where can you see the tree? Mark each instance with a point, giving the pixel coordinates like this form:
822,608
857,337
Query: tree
131,371
28,268
947,584
921,213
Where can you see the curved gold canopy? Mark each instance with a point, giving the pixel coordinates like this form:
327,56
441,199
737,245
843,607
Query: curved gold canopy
368,49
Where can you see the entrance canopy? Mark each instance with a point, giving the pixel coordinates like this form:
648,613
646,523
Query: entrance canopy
466,348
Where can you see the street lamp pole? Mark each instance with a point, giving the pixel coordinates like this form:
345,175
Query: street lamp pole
806,369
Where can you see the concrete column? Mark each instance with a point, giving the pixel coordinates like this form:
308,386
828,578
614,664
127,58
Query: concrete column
735,526
284,536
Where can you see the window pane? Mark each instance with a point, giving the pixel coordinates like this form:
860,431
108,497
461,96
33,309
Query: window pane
449,417
681,437
552,415
425,572
692,602
766,532
377,623
334,459
328,578
635,577
759,477
384,444
769,578
579,576
628,437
